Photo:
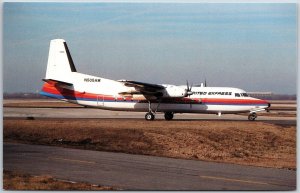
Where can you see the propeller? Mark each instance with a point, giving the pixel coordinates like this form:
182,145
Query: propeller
188,90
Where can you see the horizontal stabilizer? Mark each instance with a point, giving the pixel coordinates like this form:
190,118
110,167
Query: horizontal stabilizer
52,81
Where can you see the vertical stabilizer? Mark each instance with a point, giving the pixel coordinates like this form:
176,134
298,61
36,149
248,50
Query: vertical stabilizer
60,64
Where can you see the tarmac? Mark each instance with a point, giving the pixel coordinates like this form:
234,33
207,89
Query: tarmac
94,113
139,172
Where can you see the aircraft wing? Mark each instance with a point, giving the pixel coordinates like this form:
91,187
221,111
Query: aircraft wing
147,89
142,85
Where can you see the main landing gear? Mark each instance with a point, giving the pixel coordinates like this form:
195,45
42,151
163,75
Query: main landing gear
150,116
169,116
252,116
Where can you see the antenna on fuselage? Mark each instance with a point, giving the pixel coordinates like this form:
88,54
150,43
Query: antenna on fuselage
203,84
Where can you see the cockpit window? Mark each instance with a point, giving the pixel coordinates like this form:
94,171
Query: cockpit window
244,94
237,95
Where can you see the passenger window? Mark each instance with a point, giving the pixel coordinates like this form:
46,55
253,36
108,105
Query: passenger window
237,95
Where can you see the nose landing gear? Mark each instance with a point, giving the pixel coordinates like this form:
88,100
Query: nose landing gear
252,116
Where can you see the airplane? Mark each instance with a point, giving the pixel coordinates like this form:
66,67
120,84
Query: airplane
62,81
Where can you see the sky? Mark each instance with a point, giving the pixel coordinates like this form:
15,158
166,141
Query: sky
248,46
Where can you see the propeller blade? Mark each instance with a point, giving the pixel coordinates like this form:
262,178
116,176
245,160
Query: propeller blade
188,90
187,85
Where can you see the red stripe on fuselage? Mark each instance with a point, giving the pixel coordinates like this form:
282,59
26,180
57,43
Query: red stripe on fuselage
66,92
57,90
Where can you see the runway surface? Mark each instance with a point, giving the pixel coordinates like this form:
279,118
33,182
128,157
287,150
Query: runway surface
10,112
138,172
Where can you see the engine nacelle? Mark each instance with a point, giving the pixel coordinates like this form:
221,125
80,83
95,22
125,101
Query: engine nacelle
174,91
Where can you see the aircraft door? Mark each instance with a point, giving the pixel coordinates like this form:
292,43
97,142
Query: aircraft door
100,100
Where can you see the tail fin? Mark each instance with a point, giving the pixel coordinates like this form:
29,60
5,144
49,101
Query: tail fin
60,64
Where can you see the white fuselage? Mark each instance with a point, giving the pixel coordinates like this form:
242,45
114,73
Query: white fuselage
103,93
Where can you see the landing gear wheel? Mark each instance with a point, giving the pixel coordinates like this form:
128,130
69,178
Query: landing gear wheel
252,117
169,116
149,116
